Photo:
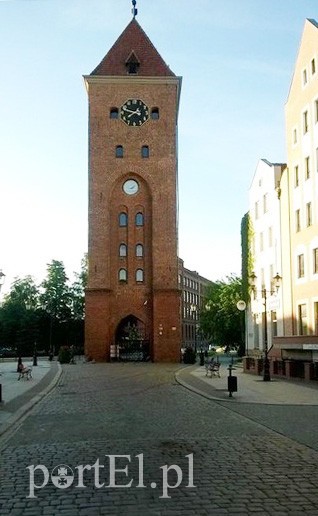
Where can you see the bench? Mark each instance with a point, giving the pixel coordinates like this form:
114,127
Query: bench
213,368
26,373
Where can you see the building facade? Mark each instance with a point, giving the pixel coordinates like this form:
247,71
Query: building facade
294,345
133,293
194,290
265,220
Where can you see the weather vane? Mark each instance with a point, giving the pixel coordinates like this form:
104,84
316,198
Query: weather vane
134,10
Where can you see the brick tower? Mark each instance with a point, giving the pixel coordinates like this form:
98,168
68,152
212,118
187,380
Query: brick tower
132,299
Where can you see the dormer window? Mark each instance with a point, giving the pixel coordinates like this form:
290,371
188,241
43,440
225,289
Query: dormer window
132,64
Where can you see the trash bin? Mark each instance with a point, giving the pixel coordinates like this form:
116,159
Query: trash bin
232,383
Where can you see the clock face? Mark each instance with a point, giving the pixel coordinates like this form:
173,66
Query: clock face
130,187
134,112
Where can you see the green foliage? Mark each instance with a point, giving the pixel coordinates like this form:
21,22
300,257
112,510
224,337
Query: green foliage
56,298
65,355
48,315
24,292
247,234
221,322
77,290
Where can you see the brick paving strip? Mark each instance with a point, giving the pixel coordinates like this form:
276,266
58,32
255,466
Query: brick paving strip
240,467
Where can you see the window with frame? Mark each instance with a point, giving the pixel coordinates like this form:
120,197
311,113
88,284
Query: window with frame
315,260
295,136
316,110
296,176
256,210
313,66
139,250
300,266
316,317
305,122
307,167
305,80
274,324
297,221
122,275
145,151
261,242
265,203
155,113
123,219
119,151
123,250
113,113
139,275
270,236
308,214
302,319
139,219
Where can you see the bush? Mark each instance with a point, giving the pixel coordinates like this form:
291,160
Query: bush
189,356
64,355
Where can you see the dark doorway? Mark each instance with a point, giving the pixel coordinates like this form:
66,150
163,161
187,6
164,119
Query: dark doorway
131,340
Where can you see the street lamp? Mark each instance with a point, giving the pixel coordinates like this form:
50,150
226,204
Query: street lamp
264,293
28,306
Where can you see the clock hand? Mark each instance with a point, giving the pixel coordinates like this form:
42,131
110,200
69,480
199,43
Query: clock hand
130,110
137,112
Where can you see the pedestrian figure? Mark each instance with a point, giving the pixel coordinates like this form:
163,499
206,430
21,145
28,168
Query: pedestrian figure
20,365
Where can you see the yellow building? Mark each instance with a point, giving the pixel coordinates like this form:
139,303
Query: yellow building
293,351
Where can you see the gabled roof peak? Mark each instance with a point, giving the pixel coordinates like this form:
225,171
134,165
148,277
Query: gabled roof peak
133,42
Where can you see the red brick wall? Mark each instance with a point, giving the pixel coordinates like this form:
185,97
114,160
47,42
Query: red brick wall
157,300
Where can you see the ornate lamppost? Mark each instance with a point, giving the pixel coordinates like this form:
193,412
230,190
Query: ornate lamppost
264,293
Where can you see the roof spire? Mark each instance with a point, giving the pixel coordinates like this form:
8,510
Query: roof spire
134,10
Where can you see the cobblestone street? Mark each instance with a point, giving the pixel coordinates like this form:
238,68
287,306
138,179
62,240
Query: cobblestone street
240,466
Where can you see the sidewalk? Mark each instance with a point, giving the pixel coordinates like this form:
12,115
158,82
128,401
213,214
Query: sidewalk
250,388
18,397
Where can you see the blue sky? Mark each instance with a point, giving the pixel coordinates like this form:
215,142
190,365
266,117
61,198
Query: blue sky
236,58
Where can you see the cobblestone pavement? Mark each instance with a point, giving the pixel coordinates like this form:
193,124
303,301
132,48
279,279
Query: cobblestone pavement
240,467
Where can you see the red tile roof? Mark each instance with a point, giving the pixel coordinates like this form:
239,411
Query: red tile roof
133,39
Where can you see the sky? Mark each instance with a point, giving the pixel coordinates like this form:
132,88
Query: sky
236,58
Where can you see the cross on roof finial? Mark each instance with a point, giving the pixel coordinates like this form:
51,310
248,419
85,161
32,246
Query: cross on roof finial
134,10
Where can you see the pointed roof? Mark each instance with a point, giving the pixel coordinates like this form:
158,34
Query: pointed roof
133,41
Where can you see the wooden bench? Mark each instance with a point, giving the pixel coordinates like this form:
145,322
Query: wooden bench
26,373
213,368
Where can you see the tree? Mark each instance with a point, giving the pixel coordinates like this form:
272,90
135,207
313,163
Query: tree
221,321
78,290
18,318
56,296
24,292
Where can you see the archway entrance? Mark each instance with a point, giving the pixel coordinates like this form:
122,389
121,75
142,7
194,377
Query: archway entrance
131,340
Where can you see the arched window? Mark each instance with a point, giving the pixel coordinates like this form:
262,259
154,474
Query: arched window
145,151
139,275
122,275
119,151
155,113
139,219
113,112
122,250
123,219
139,250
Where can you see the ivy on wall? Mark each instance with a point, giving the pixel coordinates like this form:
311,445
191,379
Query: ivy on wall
247,234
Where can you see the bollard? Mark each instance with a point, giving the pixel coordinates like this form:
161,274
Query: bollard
231,381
